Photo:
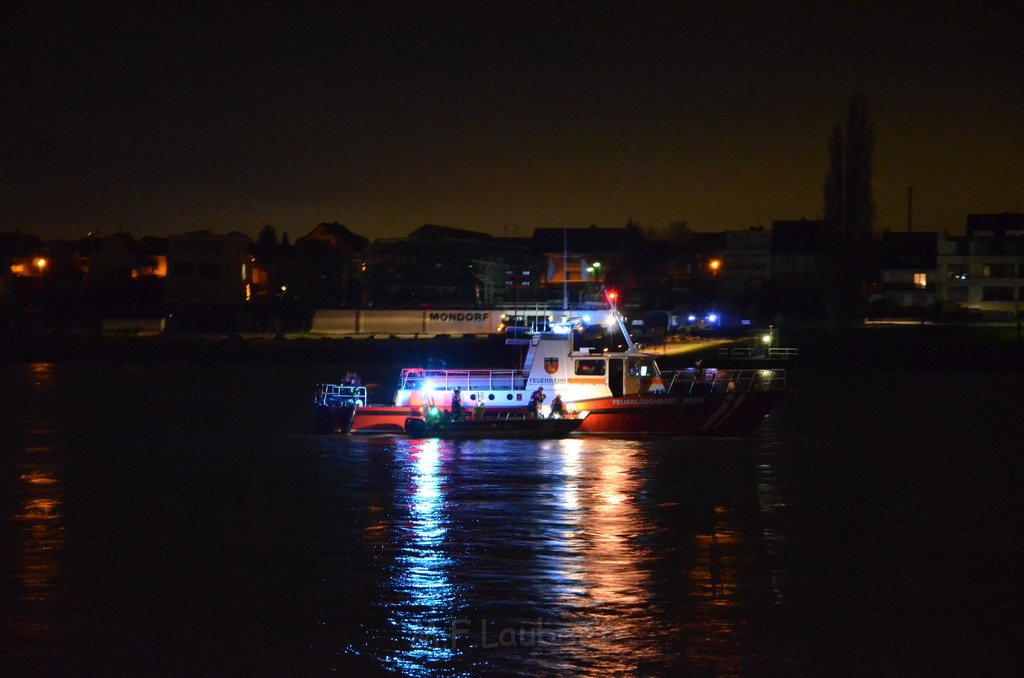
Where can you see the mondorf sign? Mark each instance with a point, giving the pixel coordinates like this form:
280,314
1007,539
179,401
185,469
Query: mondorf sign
453,322
446,317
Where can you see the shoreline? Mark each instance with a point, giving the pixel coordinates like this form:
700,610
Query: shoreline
900,347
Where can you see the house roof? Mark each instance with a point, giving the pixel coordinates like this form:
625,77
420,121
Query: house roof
799,237
909,250
706,243
338,235
434,232
591,239
995,224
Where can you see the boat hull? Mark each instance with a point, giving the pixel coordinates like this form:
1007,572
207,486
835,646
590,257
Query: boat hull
467,429
704,414
708,414
334,418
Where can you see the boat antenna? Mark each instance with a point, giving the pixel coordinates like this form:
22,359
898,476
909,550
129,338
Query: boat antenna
565,268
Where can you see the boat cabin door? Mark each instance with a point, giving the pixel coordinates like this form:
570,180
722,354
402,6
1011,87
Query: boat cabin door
615,376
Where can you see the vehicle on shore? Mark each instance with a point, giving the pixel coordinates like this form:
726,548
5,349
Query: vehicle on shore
622,392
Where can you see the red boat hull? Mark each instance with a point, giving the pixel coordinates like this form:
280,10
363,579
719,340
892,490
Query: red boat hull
704,414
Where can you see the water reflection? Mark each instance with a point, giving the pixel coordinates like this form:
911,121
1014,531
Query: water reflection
581,556
36,615
422,611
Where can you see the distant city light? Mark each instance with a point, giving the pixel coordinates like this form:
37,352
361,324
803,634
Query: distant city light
692,318
714,265
40,263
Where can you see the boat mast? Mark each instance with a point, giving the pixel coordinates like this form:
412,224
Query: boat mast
565,268
610,296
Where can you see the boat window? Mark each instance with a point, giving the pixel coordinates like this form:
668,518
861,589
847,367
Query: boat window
593,367
636,367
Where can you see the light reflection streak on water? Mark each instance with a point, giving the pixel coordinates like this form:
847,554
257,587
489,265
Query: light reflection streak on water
713,585
423,616
607,622
40,522
772,502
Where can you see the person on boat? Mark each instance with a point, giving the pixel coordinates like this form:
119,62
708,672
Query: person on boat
536,400
457,404
356,380
557,407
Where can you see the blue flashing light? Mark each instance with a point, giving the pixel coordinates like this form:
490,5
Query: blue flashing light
692,318
586,319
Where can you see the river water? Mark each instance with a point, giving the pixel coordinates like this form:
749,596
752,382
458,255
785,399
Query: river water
183,520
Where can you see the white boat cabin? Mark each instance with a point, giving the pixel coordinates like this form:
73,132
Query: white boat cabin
551,363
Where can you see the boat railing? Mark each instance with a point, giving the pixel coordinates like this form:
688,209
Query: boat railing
328,395
696,380
467,380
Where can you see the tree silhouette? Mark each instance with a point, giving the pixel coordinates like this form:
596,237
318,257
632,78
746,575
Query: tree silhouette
849,212
849,202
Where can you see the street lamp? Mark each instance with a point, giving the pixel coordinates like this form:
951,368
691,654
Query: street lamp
714,265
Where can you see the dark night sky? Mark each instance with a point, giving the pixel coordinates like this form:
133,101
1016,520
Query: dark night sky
490,115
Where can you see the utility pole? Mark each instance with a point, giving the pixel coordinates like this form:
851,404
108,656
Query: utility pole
910,209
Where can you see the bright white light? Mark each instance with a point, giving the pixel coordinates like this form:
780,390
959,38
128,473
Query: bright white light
692,318
713,318
561,329
767,338
609,321
586,319
545,411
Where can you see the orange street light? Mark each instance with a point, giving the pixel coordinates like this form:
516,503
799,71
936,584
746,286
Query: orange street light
40,263
714,265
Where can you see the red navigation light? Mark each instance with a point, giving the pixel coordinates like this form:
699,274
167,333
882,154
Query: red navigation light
612,295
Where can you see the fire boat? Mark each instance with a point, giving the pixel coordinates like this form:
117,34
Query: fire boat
612,392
